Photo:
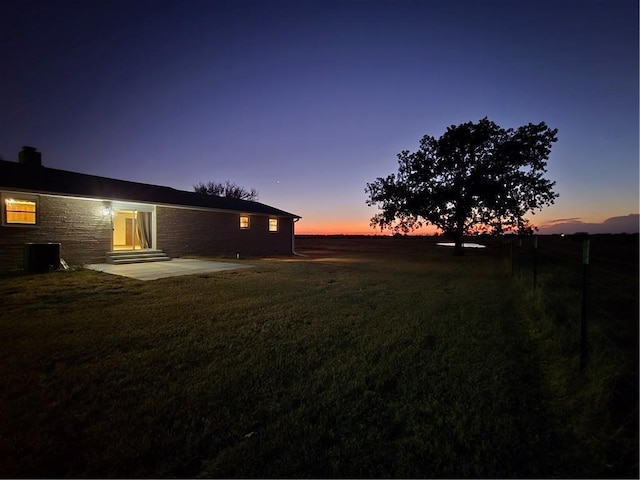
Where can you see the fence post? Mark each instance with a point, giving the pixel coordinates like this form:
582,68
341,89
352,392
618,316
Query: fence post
535,262
519,257
511,254
584,354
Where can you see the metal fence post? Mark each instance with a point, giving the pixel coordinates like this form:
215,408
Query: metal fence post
511,254
535,262
584,354
519,257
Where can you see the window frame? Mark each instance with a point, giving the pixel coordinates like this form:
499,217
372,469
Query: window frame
277,225
248,222
27,197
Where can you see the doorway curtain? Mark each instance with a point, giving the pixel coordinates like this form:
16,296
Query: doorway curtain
144,229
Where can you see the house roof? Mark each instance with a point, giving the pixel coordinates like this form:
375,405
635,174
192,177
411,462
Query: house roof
35,178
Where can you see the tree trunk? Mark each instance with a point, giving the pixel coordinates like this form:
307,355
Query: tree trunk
458,232
458,250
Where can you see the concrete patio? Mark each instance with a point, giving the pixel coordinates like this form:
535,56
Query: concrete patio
173,268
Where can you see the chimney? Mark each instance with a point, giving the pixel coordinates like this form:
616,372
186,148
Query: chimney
30,157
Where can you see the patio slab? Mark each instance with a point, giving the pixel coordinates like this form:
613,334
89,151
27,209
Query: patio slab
173,268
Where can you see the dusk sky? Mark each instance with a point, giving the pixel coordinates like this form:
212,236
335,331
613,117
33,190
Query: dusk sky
307,101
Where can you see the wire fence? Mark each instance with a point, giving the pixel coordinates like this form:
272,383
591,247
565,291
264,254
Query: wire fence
588,284
584,292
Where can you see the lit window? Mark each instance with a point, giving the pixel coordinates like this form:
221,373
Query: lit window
244,222
273,224
19,211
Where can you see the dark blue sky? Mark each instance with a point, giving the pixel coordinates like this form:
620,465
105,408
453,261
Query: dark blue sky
307,101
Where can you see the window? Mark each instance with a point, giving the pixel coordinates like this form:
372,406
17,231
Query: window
244,222
273,224
20,211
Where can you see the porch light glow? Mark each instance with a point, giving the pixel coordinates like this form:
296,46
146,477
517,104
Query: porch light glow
106,211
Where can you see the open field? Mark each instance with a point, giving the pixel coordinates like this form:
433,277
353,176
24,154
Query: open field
368,357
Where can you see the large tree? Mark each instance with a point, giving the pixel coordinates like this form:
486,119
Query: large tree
475,177
226,189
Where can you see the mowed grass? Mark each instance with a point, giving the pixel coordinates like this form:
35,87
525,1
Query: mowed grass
364,359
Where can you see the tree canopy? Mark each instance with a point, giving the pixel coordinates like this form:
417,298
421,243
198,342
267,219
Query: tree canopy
477,177
226,189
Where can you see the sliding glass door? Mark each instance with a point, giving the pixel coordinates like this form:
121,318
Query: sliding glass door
132,230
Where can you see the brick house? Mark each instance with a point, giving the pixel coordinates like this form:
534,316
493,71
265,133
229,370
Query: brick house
94,217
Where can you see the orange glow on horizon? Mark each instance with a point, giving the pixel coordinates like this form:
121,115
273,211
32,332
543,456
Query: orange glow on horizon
363,228
356,228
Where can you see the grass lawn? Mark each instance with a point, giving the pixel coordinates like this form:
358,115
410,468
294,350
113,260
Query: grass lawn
376,357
